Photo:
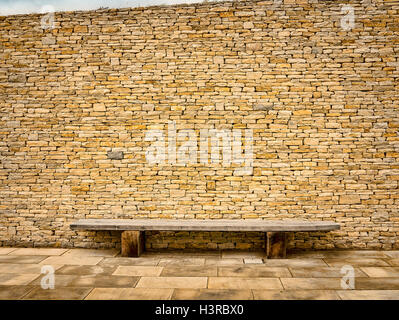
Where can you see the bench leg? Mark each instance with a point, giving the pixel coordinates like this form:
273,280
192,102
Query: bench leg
276,244
132,244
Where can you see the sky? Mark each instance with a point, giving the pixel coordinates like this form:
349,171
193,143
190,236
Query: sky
8,7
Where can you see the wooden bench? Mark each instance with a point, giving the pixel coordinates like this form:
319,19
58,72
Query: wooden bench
133,240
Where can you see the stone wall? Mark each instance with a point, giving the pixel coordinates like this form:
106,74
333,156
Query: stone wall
322,103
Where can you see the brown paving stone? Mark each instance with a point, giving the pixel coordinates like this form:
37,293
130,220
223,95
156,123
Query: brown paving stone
211,294
311,283
72,260
172,282
62,280
352,254
13,292
145,271
6,250
393,262
86,270
321,272
392,254
38,252
182,254
15,279
119,261
243,254
189,271
182,262
254,271
223,262
60,293
295,295
381,272
130,294
356,262
369,294
294,263
100,281
243,283
377,283
91,252
23,268
22,259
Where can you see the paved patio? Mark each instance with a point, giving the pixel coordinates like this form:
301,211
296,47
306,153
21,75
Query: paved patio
103,274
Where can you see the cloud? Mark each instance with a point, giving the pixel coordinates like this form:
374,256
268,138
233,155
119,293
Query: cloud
9,7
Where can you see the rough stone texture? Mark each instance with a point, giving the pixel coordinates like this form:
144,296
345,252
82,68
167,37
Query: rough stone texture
321,101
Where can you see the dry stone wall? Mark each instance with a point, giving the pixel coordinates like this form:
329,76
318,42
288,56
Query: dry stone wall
322,102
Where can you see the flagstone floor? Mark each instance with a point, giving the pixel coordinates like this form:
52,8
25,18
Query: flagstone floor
230,275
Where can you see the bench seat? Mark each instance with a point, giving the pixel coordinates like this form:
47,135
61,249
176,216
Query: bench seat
133,230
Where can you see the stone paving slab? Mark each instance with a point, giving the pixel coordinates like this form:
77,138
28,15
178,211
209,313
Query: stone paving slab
142,271
295,295
71,260
6,250
61,293
301,263
15,279
103,274
321,272
223,262
377,283
172,282
244,283
379,272
189,271
211,294
23,268
86,270
356,262
369,294
91,253
38,252
311,283
130,294
142,261
21,259
13,292
255,271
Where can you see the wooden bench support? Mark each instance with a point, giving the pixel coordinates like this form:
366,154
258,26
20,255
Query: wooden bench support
276,244
132,243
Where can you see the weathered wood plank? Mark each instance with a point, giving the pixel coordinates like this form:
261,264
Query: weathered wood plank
204,225
276,244
132,243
